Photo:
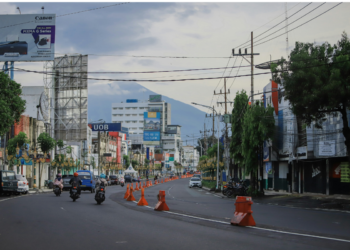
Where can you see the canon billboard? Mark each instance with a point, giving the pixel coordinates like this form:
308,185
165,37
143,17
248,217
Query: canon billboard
28,37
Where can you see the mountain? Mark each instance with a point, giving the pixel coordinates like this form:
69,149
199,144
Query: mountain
100,106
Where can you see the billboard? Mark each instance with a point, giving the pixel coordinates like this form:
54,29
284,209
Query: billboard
155,98
151,128
114,127
27,37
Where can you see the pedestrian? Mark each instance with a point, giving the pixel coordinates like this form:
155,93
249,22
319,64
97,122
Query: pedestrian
139,179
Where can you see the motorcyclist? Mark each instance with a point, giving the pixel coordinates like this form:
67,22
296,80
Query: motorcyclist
102,179
76,181
59,181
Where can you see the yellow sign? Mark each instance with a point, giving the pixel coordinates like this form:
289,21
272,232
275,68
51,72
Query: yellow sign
344,172
152,114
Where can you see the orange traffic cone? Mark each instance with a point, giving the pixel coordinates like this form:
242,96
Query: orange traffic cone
142,201
161,205
127,193
137,187
161,181
144,184
131,196
147,184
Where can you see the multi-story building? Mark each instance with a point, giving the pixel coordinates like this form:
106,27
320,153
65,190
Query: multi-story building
131,115
190,157
171,142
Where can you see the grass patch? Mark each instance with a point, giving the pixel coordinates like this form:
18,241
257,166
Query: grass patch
209,184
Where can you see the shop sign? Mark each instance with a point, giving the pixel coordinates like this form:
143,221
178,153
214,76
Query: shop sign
344,172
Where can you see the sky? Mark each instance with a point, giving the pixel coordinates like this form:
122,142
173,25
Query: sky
145,36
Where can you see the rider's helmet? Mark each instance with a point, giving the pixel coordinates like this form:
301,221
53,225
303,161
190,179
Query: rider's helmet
76,174
103,176
58,175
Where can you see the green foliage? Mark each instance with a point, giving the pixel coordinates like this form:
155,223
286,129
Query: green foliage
127,160
203,157
19,140
238,112
134,163
69,150
60,144
11,104
146,161
258,126
209,184
45,142
213,151
318,79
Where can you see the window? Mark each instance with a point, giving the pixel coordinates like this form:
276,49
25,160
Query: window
127,121
127,108
127,115
141,107
134,121
120,115
134,115
141,128
134,128
120,108
140,121
140,133
114,115
134,108
115,108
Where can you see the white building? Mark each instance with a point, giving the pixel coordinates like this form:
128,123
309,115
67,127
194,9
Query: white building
171,142
190,157
131,115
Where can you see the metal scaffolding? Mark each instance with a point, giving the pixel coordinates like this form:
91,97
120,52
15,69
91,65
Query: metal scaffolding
66,77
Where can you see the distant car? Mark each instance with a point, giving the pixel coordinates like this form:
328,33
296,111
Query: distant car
195,182
127,178
66,179
23,185
114,179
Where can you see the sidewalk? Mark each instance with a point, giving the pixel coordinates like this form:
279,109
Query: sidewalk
42,190
306,200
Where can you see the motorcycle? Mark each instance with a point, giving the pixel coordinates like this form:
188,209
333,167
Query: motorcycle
238,188
100,194
74,193
122,182
57,191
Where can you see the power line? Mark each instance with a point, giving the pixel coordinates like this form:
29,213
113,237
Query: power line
298,26
288,24
170,80
276,24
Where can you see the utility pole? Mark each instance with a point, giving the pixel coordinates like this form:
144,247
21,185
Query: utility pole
98,151
252,54
226,132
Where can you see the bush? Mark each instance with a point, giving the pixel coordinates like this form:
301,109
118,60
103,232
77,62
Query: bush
209,184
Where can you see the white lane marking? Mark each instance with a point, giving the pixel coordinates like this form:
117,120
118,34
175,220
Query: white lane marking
120,242
62,208
260,228
305,235
217,196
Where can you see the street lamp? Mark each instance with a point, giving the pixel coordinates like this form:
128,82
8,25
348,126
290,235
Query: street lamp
217,168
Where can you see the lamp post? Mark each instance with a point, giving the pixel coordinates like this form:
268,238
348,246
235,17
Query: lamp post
217,168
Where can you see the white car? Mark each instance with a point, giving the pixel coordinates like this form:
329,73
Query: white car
23,185
195,182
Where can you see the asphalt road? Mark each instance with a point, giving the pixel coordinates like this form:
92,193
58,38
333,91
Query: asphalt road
44,221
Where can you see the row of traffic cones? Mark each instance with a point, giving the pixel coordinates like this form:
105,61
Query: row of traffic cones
186,176
161,205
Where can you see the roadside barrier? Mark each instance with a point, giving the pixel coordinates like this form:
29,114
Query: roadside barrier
137,187
147,184
127,193
161,205
161,181
142,201
243,214
131,196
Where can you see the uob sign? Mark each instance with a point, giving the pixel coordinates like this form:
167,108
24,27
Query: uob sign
111,127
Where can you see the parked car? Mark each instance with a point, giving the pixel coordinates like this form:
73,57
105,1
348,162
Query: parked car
8,182
197,176
114,179
23,185
195,182
127,178
66,179
87,179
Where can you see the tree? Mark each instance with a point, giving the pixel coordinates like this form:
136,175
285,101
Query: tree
46,143
11,104
19,140
213,151
316,81
134,163
258,126
127,160
238,112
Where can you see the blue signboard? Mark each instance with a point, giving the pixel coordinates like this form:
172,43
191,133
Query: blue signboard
132,100
151,126
110,127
